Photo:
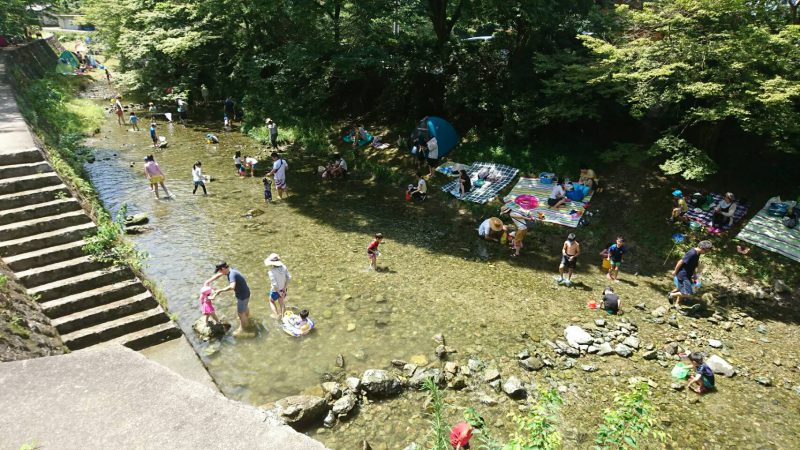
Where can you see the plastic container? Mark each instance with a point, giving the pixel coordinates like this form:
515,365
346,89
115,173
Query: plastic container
547,177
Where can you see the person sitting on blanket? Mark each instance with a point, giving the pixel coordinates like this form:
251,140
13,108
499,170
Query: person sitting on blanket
724,211
491,229
588,178
464,183
558,195
420,192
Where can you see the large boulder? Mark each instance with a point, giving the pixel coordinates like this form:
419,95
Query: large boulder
301,411
380,383
211,331
136,219
720,366
577,336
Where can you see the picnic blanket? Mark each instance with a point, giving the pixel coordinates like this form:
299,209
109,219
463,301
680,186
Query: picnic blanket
450,168
568,215
769,233
704,217
499,174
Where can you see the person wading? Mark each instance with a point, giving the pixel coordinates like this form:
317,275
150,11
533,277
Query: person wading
240,290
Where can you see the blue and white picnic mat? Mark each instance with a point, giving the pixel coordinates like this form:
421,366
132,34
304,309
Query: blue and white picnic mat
499,174
768,232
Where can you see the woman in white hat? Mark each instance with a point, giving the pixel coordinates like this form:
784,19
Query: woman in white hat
279,278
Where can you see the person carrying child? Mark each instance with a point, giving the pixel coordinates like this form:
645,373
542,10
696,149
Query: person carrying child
615,255
372,251
279,278
702,381
134,121
206,306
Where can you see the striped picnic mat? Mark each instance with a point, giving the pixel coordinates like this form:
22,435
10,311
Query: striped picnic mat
768,232
501,175
562,216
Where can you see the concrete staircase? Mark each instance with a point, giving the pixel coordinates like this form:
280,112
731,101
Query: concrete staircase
42,231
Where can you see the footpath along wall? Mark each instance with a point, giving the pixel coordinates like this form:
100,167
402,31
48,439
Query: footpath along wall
95,307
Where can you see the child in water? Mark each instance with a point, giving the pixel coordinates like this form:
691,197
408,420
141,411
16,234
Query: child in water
153,135
267,189
372,251
206,306
134,121
301,322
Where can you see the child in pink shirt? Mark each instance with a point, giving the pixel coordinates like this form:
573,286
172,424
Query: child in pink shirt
206,305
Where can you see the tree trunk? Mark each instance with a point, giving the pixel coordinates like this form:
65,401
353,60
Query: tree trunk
442,24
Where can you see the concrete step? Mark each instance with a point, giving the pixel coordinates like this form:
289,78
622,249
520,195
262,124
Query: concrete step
109,330
149,337
104,313
91,298
58,271
28,182
45,256
41,225
21,157
83,282
44,240
30,168
35,211
33,196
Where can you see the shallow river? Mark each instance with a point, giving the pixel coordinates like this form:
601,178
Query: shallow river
436,278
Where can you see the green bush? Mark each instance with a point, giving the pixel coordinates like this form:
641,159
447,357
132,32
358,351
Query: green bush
631,424
108,244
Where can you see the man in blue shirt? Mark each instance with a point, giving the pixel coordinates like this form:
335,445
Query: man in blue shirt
684,271
240,290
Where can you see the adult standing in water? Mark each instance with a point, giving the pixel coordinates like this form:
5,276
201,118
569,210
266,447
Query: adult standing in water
273,132
230,109
183,111
278,171
279,278
241,291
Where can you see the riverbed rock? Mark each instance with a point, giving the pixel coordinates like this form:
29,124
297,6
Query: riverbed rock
623,350
779,287
716,343
301,411
344,405
380,383
764,381
442,351
352,383
605,349
576,336
632,342
761,328
491,374
524,354
340,361
438,338
136,219
330,420
650,355
531,363
720,366
659,312
417,381
600,322
137,229
474,365
211,331
332,388
351,326
486,399
409,369
513,387
451,367
589,368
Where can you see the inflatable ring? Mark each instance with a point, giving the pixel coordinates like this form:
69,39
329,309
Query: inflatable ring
526,201
289,324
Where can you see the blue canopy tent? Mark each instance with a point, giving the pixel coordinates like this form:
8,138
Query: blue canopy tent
430,128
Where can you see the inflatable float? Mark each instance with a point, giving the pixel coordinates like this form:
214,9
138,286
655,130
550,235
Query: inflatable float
290,323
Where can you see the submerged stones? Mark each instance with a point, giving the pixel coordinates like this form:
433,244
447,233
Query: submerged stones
380,383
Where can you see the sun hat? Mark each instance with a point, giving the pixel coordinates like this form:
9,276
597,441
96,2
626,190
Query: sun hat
221,265
495,223
677,193
273,260
206,291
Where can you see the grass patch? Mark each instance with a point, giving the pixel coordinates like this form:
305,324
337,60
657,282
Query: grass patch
3,281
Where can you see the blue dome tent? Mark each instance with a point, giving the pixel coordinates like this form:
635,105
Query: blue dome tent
432,127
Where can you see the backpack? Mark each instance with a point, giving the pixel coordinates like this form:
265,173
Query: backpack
789,222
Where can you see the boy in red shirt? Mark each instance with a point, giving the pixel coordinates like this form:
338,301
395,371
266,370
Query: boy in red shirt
460,436
372,251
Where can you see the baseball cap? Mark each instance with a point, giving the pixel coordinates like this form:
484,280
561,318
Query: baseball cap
222,265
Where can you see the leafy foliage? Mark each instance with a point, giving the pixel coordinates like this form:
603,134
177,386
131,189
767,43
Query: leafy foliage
439,431
16,18
631,424
538,429
108,244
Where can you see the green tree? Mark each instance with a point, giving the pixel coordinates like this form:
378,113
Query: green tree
15,18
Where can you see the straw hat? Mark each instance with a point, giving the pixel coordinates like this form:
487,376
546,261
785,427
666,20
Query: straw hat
495,224
273,260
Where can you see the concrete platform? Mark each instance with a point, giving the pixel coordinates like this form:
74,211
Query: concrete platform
178,356
13,129
113,397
